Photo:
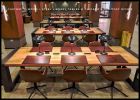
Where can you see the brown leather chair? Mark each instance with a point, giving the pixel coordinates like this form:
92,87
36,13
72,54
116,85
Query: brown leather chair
118,74
89,38
50,27
67,28
74,76
65,37
95,43
83,28
68,44
49,38
33,76
45,45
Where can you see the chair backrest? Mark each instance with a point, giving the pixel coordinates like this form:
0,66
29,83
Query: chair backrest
67,28
89,38
83,28
95,43
68,44
65,37
75,75
29,75
50,27
118,74
49,38
45,44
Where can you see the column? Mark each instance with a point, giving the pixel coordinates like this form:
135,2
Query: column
13,32
46,11
37,15
84,9
120,21
94,14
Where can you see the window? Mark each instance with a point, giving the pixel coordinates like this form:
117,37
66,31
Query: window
105,9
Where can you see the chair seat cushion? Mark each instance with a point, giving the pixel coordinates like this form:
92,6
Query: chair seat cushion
74,75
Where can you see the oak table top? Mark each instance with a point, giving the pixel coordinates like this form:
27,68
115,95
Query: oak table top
63,17
63,22
76,31
84,56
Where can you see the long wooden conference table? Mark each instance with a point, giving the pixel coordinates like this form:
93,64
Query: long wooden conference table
58,56
65,14
74,31
66,17
60,31
64,22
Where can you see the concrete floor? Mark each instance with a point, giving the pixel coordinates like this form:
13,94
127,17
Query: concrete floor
52,88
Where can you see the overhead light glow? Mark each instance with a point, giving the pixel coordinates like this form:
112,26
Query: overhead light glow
45,6
5,13
96,7
35,8
129,11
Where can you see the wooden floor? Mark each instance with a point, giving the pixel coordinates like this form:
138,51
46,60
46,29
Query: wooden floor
54,85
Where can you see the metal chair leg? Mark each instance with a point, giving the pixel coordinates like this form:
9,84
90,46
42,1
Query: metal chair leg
65,68
50,69
41,85
30,88
42,94
73,87
31,93
65,88
34,87
39,68
81,92
103,87
112,86
111,92
121,92
89,68
71,94
75,67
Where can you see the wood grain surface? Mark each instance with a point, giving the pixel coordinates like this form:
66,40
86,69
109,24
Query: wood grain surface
91,57
43,31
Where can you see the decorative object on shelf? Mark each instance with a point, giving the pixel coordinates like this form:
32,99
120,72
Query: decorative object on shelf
104,38
72,39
